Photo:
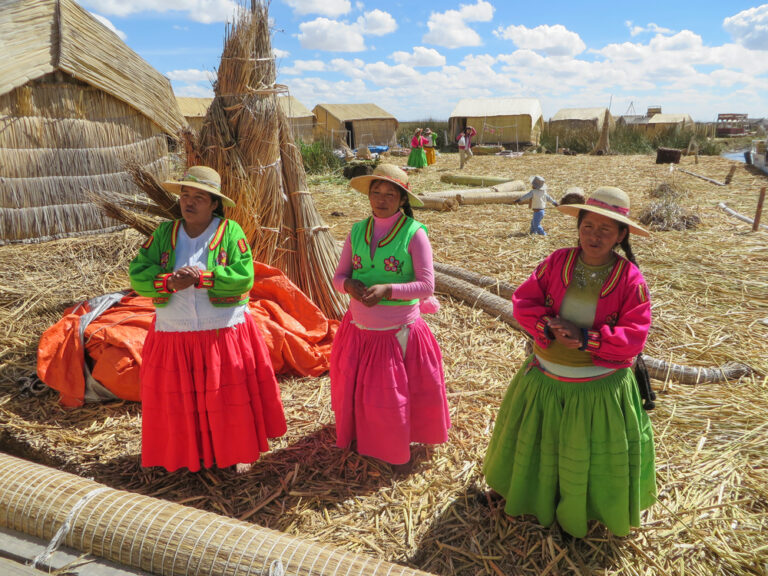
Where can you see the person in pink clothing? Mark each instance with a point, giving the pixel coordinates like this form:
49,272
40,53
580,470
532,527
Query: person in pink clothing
387,382
465,144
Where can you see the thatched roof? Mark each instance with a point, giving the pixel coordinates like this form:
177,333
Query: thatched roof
486,107
350,112
580,114
193,107
671,119
43,36
292,108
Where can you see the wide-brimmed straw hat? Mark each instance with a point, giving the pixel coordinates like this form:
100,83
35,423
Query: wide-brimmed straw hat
390,173
202,178
608,201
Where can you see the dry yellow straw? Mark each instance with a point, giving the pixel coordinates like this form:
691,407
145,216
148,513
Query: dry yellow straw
159,536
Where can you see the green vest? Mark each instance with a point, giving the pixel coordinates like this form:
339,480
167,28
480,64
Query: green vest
391,262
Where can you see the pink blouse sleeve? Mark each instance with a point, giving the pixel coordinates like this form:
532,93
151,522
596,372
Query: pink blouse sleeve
424,283
344,269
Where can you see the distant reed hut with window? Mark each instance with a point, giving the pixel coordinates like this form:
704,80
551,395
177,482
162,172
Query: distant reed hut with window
504,121
300,118
75,105
355,125
586,123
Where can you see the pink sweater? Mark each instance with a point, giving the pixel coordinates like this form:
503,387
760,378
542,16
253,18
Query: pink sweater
422,287
622,317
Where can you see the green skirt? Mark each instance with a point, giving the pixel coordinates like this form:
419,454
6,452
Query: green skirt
417,158
573,451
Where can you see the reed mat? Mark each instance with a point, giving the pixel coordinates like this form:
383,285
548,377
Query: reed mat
709,287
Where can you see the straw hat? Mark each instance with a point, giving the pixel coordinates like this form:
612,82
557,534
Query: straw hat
608,201
390,173
202,178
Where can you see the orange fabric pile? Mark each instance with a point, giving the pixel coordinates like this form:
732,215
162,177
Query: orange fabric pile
296,332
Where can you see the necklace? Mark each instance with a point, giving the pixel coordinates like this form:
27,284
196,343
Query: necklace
590,276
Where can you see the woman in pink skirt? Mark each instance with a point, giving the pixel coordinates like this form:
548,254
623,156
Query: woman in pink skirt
208,390
387,384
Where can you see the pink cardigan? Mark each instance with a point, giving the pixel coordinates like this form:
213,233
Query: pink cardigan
622,317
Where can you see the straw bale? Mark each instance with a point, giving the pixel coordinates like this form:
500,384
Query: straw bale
708,288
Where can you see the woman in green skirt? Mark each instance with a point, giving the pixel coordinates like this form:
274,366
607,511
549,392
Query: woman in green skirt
572,441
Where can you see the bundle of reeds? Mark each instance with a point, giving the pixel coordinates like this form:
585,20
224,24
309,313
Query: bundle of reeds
247,139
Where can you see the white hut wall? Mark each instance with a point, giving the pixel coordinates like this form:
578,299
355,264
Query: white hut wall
60,140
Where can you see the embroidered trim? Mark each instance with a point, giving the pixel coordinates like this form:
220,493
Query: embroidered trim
568,268
613,279
160,300
369,231
242,245
160,283
642,292
229,299
539,272
219,235
148,243
394,232
206,280
593,340
175,233
541,327
611,207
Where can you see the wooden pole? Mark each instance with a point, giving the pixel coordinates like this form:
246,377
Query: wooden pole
759,211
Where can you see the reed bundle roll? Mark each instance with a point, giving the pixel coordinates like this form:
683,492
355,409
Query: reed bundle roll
470,180
157,536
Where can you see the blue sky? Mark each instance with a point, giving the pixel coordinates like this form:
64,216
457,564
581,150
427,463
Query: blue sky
417,59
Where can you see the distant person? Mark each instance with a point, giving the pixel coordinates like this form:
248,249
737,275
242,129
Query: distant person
387,383
208,389
418,158
538,197
572,441
429,148
465,145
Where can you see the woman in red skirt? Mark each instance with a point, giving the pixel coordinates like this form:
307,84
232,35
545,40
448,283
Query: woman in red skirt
208,390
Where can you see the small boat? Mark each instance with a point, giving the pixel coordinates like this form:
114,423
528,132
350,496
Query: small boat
758,155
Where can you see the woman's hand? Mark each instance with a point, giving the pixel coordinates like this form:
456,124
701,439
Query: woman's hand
567,333
376,293
184,278
355,289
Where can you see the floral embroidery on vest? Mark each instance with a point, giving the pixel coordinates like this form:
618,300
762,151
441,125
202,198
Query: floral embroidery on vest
357,262
392,264
164,259
222,258
611,319
549,301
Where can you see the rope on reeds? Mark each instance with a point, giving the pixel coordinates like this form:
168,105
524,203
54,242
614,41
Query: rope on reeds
159,536
471,288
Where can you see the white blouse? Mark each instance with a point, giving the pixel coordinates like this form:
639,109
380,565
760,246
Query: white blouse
190,310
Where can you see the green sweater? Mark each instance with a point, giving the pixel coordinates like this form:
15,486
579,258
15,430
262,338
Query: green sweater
229,276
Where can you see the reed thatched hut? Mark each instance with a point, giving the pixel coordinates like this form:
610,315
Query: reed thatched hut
301,118
583,122
499,120
355,125
75,104
194,110
663,122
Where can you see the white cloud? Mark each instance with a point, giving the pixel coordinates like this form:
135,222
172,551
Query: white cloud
191,76
420,56
353,68
108,24
278,53
194,91
377,23
749,27
554,40
651,27
205,11
450,30
331,36
333,8
302,66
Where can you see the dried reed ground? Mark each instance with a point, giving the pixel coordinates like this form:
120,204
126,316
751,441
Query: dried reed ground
710,295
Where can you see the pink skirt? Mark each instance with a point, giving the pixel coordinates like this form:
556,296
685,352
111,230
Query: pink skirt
383,401
208,397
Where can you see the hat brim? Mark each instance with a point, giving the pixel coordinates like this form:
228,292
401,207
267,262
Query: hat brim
573,210
363,184
174,187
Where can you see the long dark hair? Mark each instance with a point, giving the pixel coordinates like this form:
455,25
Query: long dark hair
219,210
624,243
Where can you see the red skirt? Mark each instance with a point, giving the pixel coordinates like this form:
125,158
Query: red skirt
208,397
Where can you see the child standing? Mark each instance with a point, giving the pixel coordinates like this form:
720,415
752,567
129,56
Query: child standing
539,198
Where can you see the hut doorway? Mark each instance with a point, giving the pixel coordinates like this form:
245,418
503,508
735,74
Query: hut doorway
350,134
